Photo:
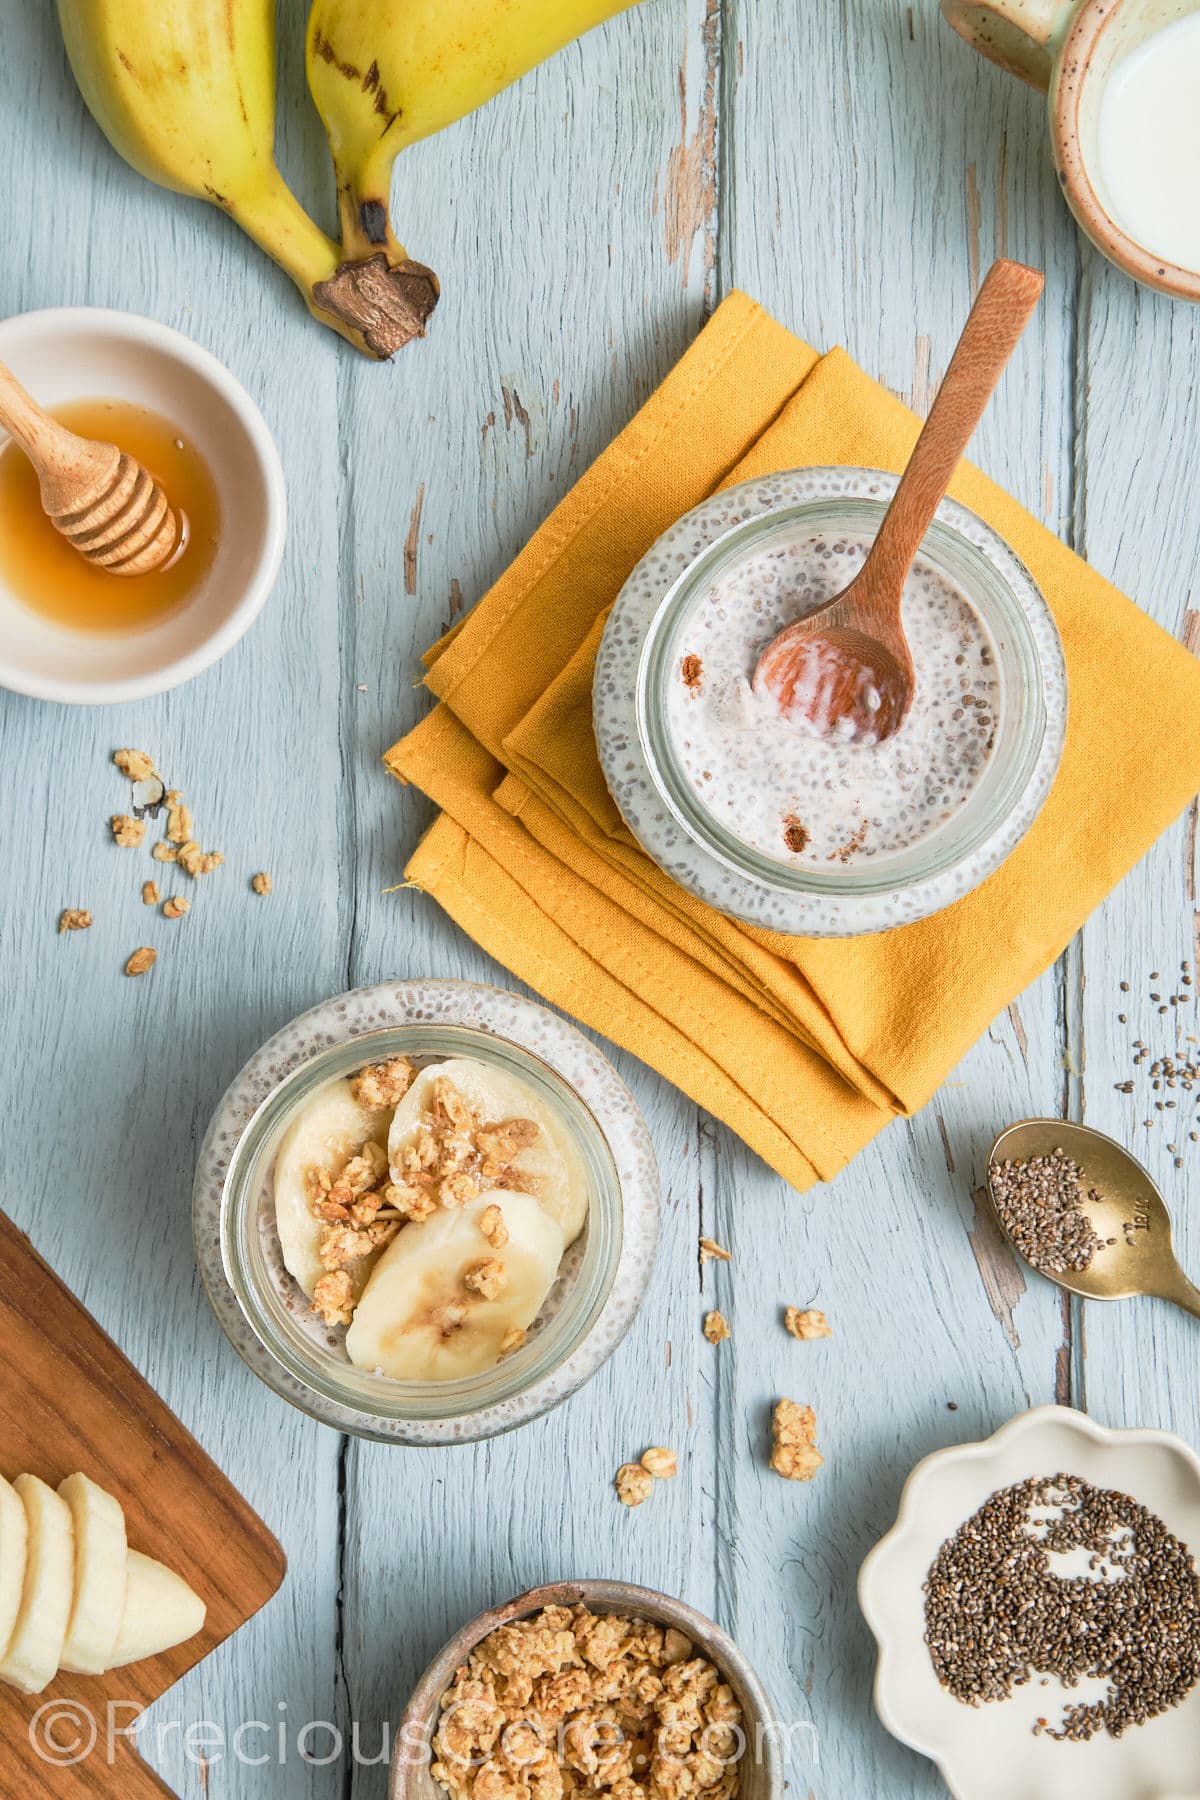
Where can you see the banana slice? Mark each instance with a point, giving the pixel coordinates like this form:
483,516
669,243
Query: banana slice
331,1128
419,1320
160,1611
495,1095
14,1538
32,1657
100,1559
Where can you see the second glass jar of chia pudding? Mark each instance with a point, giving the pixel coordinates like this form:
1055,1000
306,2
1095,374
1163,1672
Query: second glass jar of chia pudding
808,834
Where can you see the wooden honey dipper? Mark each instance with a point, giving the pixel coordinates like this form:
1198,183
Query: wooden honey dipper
104,503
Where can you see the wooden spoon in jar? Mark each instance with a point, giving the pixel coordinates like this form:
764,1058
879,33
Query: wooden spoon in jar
104,503
846,670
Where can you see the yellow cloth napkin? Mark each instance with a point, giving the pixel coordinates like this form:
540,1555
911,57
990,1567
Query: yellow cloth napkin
806,1047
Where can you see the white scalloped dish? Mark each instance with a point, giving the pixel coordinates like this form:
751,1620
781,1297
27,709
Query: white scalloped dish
990,1752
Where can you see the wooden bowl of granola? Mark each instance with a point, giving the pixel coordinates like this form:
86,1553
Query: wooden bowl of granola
596,1685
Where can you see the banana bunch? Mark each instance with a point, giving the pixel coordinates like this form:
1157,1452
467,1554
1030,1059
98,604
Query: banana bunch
185,92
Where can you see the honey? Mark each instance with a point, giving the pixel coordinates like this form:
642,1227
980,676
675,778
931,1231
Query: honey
50,577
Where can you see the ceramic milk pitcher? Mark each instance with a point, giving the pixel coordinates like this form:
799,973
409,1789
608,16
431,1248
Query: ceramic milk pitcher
1119,75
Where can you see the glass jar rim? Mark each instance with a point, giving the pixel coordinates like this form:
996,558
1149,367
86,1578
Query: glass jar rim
338,1382
1002,611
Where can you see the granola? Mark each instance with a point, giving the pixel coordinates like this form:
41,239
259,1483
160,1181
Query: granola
149,893
716,1327
175,907
574,1703
164,852
660,1462
794,1453
128,832
141,960
811,1323
135,763
74,918
194,861
180,825
457,1156
711,1250
261,883
383,1083
633,1484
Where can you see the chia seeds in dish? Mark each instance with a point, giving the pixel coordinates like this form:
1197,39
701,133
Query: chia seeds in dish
1039,1203
997,1614
759,773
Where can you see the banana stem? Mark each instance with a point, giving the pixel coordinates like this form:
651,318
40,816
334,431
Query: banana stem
375,304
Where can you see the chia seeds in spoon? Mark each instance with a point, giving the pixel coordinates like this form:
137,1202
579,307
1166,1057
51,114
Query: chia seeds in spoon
997,1615
1039,1201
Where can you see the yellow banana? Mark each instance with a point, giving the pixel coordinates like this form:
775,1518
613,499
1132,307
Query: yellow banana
385,73
185,91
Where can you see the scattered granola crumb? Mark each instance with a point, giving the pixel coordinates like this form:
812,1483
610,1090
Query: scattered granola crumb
716,1327
261,883
577,1705
149,893
660,1462
175,907
794,1454
141,960
692,670
796,836
492,1225
127,832
709,1248
74,918
808,1324
383,1083
513,1338
333,1298
194,861
487,1278
179,819
135,763
633,1484
163,852
174,796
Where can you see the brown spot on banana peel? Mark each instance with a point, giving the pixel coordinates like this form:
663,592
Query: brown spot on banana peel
386,305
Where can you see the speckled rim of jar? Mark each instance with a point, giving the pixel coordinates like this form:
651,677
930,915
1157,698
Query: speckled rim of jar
830,912
1073,70
410,1777
509,1019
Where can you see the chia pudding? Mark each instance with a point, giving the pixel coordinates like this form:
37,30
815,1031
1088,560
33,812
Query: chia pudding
777,786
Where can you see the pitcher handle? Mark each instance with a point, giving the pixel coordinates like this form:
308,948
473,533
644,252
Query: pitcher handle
1018,35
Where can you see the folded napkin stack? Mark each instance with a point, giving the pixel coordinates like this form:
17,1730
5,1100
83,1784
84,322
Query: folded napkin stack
805,1047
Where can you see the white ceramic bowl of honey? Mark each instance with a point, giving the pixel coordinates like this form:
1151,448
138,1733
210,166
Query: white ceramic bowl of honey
72,633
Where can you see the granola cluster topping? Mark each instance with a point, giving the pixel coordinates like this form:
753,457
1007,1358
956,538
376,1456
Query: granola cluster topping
457,1156
74,918
716,1327
576,1703
795,1454
359,1218
141,961
454,1157
261,883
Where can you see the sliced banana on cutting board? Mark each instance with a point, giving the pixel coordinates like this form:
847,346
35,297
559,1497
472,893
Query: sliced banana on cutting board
420,1319
72,1595
331,1127
496,1096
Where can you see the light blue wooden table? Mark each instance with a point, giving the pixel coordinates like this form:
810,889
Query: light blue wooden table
853,166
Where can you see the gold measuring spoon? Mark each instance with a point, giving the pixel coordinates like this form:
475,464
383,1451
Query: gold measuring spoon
1131,1209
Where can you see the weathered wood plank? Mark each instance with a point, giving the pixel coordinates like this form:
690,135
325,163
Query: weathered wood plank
126,1073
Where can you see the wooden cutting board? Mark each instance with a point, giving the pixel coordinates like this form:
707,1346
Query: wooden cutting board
69,1400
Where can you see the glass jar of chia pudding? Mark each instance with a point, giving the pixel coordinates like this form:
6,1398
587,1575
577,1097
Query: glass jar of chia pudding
757,814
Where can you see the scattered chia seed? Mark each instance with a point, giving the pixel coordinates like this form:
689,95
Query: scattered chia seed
996,1615
1038,1203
